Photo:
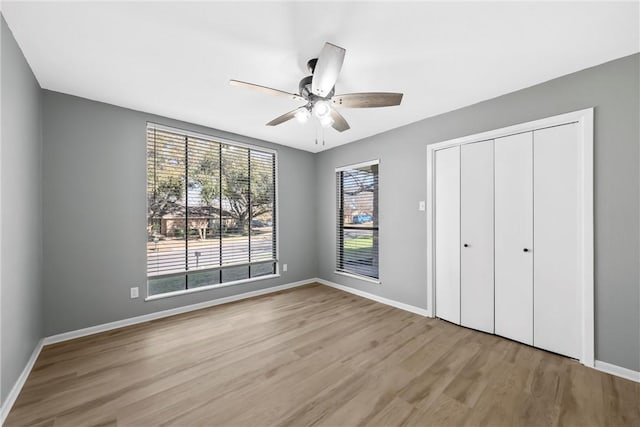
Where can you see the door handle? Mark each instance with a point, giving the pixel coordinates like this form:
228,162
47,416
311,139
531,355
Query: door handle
525,250
466,245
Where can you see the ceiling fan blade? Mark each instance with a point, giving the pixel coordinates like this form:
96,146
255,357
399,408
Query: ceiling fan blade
267,90
339,122
327,69
283,118
367,100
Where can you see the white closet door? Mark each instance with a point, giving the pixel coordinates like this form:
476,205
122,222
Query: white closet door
514,237
476,236
447,234
557,312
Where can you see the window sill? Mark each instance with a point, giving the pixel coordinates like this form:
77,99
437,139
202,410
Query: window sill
209,287
363,278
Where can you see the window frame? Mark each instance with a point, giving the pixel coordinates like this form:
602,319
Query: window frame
340,226
276,211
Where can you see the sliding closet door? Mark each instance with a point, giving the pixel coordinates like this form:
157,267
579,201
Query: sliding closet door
447,233
476,236
556,216
514,237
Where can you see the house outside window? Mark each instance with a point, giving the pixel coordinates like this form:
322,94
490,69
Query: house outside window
357,220
211,211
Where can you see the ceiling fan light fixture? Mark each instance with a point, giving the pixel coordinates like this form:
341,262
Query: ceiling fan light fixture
321,109
326,121
302,115
317,91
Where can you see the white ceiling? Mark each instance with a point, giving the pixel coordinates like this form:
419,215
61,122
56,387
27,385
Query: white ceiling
175,58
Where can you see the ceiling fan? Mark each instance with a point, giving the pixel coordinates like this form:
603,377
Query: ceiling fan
318,92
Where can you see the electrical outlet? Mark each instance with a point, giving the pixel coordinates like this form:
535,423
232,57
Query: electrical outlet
134,292
284,267
421,205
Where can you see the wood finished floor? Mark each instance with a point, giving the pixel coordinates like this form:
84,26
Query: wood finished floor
313,356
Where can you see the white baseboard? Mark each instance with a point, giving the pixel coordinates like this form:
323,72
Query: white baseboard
599,365
166,313
17,387
618,371
386,301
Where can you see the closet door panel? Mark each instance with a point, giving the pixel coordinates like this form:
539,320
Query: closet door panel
447,233
557,296
476,230
514,237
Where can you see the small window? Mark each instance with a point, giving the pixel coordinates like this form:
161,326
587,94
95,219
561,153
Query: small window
357,220
211,211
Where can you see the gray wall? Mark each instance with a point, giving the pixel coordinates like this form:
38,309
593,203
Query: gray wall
92,182
21,223
94,205
613,89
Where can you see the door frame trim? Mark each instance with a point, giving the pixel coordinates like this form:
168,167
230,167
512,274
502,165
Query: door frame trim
584,119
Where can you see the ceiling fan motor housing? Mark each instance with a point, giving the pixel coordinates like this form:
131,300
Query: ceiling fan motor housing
318,89
305,87
311,64
305,90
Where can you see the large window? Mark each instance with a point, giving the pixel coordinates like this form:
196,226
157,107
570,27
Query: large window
211,211
357,220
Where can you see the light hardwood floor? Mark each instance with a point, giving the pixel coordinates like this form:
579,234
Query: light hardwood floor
313,356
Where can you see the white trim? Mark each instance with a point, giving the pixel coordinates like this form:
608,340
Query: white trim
599,365
358,165
356,276
276,195
208,287
213,138
584,118
430,210
587,259
167,313
19,384
17,387
618,371
3,404
561,119
382,300
346,168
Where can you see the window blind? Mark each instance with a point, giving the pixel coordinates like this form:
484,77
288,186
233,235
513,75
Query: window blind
211,211
357,220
